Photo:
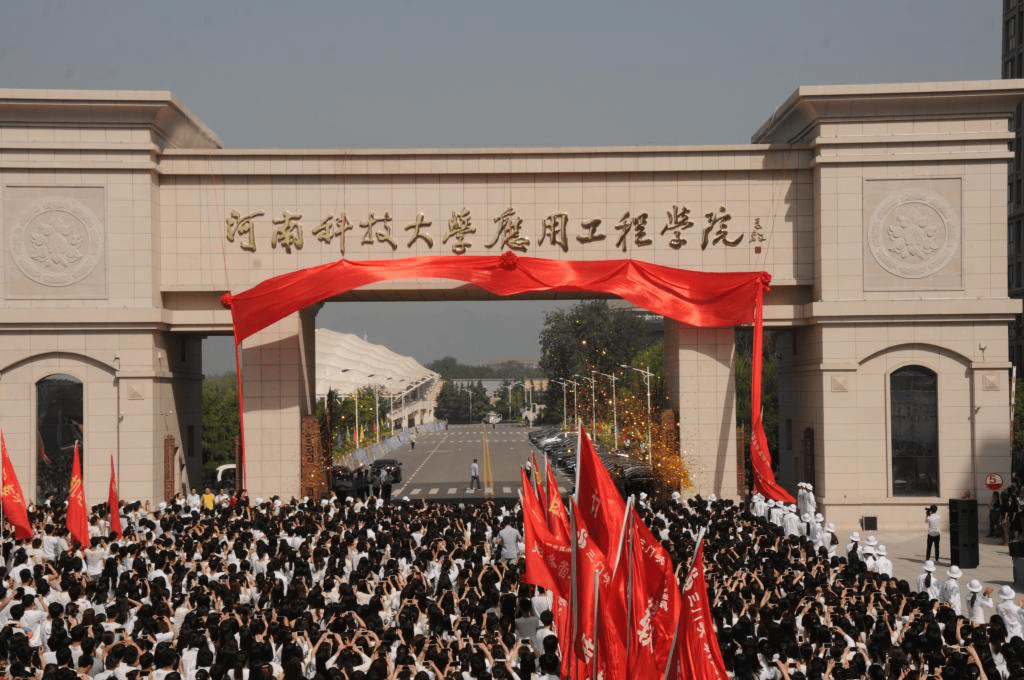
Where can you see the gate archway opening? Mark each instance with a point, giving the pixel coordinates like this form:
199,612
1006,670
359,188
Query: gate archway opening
698,299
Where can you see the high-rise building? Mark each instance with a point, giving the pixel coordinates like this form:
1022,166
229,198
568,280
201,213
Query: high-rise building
1012,65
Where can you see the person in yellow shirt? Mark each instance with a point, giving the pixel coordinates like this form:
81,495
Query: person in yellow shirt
208,498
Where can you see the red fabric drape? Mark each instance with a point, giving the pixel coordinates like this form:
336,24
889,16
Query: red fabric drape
701,299
692,298
78,514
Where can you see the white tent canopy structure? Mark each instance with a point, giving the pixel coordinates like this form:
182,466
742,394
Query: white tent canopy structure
346,363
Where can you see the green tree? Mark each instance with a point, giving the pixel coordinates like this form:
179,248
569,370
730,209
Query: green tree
453,403
1018,422
449,368
220,421
590,336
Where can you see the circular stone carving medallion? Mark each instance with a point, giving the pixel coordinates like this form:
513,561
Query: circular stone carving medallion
56,241
914,233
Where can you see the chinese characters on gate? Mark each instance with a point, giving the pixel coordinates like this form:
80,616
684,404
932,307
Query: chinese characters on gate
680,228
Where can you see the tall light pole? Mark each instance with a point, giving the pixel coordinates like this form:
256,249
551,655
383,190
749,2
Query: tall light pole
376,412
647,381
593,404
565,423
575,403
470,393
513,385
615,417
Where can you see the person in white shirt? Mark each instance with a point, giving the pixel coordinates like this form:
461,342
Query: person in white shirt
195,501
950,592
1011,613
931,518
977,600
927,583
883,565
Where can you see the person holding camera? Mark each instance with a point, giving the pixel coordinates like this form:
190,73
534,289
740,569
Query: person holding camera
931,518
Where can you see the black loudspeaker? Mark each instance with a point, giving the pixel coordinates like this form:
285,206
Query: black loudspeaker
963,533
1016,548
870,523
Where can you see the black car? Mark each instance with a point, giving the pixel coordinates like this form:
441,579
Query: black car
393,467
357,482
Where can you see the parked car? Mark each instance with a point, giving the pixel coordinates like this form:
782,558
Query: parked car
393,467
355,482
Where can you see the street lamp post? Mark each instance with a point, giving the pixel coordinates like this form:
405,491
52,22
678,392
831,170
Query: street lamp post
647,381
565,423
615,417
470,393
575,403
593,403
376,413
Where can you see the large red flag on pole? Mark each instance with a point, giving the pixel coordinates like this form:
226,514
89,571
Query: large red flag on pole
113,502
655,602
78,517
558,518
548,559
599,637
697,652
13,504
599,500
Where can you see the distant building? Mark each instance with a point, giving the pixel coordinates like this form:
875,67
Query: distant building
346,363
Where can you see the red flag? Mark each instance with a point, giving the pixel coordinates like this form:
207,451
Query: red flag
14,508
548,560
558,519
78,518
697,652
112,501
599,640
600,501
654,605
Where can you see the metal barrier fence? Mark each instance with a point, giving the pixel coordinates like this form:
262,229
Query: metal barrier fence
368,454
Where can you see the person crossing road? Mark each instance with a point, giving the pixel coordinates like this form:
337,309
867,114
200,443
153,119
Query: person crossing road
474,476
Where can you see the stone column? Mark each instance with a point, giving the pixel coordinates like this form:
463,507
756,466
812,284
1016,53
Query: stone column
278,386
700,380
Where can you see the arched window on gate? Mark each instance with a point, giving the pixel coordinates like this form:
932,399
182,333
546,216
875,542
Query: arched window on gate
914,418
59,419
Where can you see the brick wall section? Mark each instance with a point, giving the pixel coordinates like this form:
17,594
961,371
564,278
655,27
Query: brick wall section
170,450
313,468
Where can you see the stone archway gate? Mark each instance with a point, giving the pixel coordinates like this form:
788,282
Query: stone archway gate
880,211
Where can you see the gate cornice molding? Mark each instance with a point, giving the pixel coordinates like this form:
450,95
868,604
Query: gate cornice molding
797,119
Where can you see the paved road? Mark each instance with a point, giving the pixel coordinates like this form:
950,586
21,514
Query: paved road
439,467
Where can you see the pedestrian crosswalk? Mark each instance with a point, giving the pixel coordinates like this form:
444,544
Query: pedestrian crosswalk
502,490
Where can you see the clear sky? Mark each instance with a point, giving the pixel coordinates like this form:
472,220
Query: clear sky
476,73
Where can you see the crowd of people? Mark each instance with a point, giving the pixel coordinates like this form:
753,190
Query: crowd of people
354,589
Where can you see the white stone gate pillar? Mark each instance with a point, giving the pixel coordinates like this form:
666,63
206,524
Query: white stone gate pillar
278,370
700,381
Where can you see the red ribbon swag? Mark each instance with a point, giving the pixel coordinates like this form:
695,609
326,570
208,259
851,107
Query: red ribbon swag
703,299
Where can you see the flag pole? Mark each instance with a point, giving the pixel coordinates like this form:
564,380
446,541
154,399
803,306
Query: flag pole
629,580
597,607
675,634
576,488
1,488
574,601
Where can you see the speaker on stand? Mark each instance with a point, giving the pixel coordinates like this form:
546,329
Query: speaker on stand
963,533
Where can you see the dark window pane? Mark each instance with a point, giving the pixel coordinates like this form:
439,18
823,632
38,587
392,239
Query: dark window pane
915,431
58,426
